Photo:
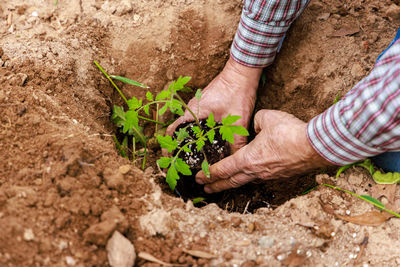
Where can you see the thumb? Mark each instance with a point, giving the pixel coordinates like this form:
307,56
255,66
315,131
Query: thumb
259,120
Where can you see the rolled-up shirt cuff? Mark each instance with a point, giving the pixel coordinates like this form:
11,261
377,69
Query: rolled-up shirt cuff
329,136
256,43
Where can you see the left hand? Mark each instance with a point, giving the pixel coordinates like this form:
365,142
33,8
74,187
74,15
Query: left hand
280,149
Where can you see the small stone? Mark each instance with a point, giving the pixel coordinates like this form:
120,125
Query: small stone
228,256
28,235
120,251
99,233
251,227
266,242
114,180
70,261
236,221
124,169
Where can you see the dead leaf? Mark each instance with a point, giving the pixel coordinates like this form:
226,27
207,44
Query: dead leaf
363,245
151,258
345,31
370,218
199,254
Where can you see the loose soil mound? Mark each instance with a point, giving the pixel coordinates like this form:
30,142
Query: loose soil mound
63,187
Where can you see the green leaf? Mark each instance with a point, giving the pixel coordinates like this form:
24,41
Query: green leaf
118,116
200,143
179,84
205,168
181,134
367,164
186,149
210,120
226,134
196,129
372,200
176,107
198,200
239,130
125,142
182,167
149,96
164,162
198,94
343,168
230,119
128,81
134,103
386,178
186,89
167,142
163,95
146,109
211,135
131,121
163,109
172,177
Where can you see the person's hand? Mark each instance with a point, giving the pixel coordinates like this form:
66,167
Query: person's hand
233,92
280,149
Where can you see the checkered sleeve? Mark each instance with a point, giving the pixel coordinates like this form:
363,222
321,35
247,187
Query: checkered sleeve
366,121
262,26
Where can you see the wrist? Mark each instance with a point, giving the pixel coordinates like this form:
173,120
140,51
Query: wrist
244,74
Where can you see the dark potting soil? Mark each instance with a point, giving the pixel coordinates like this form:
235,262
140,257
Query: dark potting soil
248,198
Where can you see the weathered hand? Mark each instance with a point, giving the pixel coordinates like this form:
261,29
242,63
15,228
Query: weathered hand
233,92
281,149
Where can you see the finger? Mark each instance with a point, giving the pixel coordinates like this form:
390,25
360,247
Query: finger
223,169
238,180
259,120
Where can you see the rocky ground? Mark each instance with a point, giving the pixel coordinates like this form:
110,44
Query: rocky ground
66,194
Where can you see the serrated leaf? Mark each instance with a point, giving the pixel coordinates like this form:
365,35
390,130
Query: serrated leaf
162,110
198,94
167,142
118,116
128,81
146,109
372,200
186,149
386,178
182,167
181,134
164,162
239,130
210,120
186,89
172,177
200,143
176,107
134,103
163,95
205,168
226,134
211,135
131,120
179,84
196,129
230,119
149,96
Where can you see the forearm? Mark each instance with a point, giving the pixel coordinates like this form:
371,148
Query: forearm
262,25
365,122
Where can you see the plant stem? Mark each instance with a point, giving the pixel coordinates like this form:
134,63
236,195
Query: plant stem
112,82
157,106
144,157
133,150
191,112
155,121
360,197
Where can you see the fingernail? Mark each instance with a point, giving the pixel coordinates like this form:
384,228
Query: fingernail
208,190
199,181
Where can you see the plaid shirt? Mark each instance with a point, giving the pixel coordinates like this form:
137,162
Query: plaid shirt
365,122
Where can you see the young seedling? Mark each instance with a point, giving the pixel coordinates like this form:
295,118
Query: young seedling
128,122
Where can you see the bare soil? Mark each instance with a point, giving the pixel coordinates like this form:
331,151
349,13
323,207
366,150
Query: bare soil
64,189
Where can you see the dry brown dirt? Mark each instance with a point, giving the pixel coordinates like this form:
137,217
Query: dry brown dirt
62,191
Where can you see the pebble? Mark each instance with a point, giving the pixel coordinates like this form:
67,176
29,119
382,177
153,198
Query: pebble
70,261
120,251
124,169
251,227
28,235
236,221
266,242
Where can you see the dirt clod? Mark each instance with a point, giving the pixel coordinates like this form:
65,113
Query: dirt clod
99,233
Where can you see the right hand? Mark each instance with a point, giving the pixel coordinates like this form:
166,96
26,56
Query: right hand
233,92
